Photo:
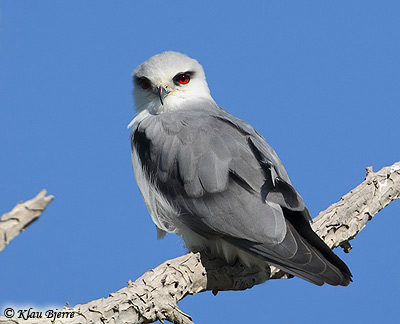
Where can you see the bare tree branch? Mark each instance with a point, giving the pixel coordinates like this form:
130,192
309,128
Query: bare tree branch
21,216
342,221
155,295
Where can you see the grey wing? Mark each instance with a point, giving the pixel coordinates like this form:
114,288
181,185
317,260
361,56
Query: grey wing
228,183
207,168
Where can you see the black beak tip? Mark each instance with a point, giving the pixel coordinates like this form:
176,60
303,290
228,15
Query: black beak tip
162,93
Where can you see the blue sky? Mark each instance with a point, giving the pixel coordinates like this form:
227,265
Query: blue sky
318,79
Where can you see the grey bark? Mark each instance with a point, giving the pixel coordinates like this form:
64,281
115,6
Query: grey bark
21,216
155,295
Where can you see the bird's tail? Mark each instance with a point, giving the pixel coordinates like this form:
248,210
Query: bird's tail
302,253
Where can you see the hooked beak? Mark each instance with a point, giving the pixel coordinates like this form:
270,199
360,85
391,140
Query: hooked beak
162,93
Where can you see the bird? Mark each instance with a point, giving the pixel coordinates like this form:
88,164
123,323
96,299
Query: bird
212,179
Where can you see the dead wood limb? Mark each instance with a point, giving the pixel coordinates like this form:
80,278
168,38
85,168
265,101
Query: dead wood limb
21,216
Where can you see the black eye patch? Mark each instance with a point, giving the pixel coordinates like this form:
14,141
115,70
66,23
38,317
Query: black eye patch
183,77
143,82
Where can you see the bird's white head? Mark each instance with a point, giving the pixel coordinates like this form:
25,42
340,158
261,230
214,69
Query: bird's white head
169,81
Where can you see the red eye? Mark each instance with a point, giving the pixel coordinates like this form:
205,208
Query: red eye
183,78
144,83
